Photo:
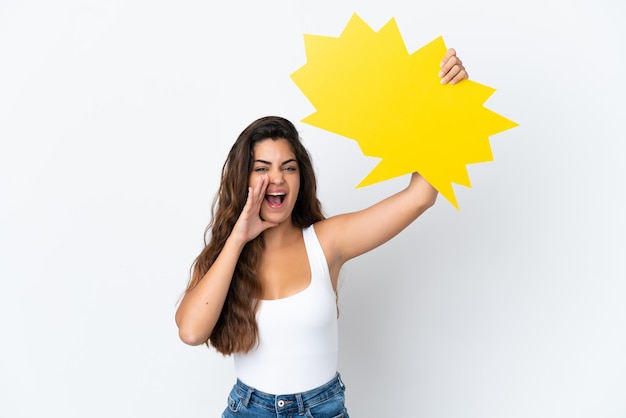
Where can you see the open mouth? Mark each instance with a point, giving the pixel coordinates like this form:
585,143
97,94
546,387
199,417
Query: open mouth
275,199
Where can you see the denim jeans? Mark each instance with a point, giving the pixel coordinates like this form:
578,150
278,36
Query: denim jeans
326,401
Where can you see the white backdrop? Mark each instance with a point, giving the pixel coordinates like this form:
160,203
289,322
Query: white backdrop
115,119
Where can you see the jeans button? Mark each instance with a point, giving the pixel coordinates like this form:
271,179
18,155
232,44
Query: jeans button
281,403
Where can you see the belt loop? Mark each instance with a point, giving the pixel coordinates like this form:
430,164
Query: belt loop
247,398
340,381
301,410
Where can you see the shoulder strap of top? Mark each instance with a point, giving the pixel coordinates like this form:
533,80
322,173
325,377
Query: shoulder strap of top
317,258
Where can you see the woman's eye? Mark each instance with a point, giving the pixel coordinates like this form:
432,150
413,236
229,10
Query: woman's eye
289,168
260,169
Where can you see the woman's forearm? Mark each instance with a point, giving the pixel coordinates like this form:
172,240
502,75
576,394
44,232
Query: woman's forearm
201,306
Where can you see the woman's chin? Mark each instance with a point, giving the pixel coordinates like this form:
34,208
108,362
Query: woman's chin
277,218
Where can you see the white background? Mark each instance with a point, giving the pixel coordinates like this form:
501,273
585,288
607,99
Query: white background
115,119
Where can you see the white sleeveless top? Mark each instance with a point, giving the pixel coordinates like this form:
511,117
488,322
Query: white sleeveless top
298,338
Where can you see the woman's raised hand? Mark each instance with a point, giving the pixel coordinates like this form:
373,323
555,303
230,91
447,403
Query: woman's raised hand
452,69
250,225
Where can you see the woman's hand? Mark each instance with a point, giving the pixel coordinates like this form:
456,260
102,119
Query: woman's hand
250,225
452,70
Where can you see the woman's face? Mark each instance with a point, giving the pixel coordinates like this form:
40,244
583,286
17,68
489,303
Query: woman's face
275,158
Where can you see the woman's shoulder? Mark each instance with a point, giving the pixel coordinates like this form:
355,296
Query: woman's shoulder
326,230
325,226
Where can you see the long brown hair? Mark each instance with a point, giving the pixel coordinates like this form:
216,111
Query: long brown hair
236,329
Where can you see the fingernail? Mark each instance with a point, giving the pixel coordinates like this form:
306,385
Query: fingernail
443,81
440,73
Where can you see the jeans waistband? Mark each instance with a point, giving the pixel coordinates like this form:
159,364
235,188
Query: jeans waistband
295,401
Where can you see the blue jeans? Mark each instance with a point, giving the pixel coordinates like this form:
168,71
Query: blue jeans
326,401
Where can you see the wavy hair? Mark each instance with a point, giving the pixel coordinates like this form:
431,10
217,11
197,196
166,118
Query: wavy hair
236,329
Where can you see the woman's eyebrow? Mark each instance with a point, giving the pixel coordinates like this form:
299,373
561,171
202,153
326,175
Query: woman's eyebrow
291,160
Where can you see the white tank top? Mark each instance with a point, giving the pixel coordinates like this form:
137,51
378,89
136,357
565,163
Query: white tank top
298,338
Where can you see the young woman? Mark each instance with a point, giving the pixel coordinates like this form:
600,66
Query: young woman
264,287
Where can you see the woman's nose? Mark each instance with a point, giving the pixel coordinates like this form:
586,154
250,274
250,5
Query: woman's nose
276,177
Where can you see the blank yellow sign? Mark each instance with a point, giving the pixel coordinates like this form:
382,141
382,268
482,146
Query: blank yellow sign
366,86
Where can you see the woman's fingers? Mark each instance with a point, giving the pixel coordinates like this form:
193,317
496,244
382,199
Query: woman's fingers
256,194
250,222
449,53
452,69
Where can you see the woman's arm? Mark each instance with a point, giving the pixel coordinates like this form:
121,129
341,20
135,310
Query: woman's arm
346,236
201,306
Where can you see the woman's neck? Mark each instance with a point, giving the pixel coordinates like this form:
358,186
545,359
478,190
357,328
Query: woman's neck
283,234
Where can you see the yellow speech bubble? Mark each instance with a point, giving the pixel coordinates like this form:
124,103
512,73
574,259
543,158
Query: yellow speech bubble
365,86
